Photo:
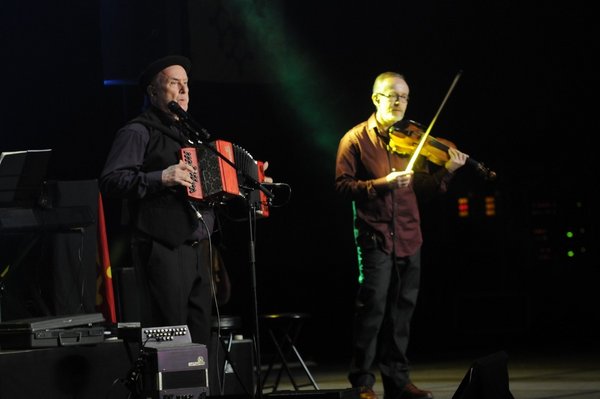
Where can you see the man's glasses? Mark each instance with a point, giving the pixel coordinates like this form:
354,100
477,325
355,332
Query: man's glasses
396,97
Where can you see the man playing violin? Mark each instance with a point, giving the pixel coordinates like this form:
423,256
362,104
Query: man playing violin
388,239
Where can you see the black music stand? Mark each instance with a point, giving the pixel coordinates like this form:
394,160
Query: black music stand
21,178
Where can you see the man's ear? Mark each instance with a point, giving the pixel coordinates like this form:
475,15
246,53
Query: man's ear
375,99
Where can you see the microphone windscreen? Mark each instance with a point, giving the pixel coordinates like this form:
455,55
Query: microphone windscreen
174,107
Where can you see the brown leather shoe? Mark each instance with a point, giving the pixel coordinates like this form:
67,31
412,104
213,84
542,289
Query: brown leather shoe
410,391
367,393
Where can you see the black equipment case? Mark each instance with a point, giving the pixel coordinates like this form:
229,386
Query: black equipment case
44,332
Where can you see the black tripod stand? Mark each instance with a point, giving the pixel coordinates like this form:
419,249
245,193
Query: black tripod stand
252,260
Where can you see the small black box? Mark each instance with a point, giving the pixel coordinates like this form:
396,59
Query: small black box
232,371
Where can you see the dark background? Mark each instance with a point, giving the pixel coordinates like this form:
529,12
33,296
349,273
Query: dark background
286,79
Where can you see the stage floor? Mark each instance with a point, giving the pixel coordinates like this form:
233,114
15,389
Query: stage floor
92,372
531,375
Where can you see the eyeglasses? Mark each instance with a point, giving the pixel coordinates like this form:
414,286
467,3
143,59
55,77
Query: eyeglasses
396,97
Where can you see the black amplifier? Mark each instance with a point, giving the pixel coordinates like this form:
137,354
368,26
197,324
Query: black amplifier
175,371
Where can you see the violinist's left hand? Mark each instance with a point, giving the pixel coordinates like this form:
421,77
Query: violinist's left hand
456,161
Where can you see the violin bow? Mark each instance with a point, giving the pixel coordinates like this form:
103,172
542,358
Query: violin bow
414,156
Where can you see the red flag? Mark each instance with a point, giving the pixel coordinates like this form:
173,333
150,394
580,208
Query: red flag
105,297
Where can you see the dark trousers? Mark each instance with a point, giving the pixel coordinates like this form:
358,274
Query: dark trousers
175,286
384,307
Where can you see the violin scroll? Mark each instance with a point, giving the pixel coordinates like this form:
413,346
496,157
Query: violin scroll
482,170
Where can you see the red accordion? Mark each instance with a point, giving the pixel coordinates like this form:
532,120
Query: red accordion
215,179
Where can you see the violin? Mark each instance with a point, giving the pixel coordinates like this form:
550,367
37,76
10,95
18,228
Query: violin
406,135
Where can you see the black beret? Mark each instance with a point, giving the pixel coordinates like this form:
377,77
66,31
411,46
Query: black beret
156,66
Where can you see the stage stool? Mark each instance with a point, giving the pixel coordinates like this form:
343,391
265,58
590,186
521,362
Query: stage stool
226,328
284,330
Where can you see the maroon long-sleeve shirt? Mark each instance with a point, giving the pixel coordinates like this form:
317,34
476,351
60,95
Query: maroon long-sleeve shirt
362,163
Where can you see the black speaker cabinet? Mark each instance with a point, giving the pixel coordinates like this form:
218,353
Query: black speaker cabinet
234,374
177,371
126,294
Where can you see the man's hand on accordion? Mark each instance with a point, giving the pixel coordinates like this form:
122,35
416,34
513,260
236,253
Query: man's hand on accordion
178,174
268,179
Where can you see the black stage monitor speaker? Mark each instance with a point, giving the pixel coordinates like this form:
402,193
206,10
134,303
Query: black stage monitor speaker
486,379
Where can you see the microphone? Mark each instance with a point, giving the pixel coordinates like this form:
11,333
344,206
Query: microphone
175,108
198,130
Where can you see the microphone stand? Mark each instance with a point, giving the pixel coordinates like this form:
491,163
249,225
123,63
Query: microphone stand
252,255
194,134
